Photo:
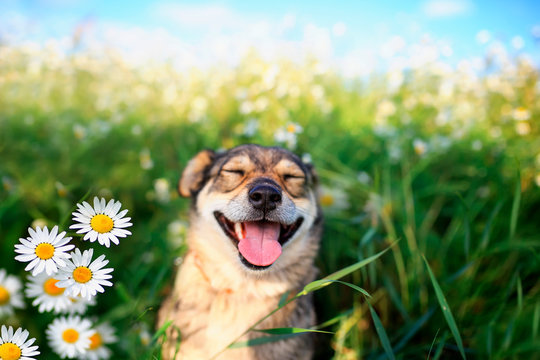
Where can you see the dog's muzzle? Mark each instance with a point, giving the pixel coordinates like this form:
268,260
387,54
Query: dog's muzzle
259,237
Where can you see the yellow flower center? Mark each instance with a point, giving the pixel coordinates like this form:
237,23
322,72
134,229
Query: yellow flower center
420,148
95,341
9,351
4,295
70,336
50,288
44,251
327,200
101,223
82,274
291,128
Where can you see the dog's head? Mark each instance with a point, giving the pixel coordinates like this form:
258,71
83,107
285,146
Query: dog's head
253,203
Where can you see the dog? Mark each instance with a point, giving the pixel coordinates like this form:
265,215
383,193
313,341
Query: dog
255,228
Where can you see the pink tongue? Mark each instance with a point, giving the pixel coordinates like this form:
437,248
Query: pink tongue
260,246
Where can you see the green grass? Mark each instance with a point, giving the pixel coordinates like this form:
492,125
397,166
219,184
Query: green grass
461,192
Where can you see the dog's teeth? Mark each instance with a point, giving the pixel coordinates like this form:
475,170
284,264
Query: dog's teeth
238,230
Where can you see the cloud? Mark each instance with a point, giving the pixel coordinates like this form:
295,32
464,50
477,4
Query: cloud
139,45
446,8
204,16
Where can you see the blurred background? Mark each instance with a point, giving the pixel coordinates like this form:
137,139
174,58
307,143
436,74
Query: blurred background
421,117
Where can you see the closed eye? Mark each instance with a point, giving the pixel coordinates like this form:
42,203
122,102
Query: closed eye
234,171
291,177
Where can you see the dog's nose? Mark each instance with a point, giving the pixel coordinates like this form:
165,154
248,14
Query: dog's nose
264,197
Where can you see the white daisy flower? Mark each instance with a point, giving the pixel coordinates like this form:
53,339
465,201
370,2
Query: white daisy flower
70,336
47,295
78,304
14,346
144,334
44,250
102,222
83,276
104,335
420,147
333,199
10,295
288,134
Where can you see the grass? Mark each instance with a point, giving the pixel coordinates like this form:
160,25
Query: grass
452,178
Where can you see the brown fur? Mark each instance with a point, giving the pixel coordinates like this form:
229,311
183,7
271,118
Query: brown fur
216,296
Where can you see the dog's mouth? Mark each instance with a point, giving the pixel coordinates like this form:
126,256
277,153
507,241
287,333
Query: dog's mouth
258,242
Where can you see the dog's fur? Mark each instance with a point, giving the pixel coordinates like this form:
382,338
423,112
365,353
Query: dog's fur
218,294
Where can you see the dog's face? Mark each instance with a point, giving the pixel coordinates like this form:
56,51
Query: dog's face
252,203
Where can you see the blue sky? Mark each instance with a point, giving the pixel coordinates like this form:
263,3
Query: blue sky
199,31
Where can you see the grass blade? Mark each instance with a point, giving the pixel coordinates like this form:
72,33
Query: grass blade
413,329
446,310
290,330
283,299
277,334
467,227
433,343
508,335
489,225
319,284
327,280
351,268
489,339
536,320
515,206
354,287
382,333
260,341
519,289
333,320
440,348
394,296
161,330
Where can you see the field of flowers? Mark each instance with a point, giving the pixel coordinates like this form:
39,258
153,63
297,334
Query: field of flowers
443,159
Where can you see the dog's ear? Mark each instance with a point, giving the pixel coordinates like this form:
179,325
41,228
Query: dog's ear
195,173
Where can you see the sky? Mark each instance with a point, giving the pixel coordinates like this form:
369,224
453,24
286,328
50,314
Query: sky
356,36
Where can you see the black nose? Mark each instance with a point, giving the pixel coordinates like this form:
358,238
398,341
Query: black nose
264,197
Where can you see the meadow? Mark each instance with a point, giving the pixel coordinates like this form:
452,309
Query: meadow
441,161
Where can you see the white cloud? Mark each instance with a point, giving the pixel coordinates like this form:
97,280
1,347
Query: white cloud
483,37
139,45
288,22
207,16
317,41
339,29
446,8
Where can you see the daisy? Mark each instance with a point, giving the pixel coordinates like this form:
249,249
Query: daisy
10,296
44,250
47,295
13,346
78,304
102,222
521,114
83,276
420,147
104,335
70,336
288,134
333,199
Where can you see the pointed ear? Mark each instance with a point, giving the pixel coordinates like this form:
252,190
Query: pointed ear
195,173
